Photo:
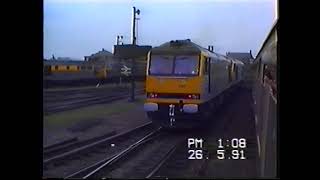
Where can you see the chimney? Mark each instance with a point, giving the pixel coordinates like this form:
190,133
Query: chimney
121,37
117,41
210,48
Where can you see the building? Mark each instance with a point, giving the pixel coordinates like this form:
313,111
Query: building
101,59
128,51
245,57
125,53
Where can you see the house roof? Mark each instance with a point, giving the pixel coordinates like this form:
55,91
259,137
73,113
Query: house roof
103,52
242,56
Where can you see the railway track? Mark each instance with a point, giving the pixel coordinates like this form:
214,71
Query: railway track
63,151
83,154
76,94
142,159
71,144
69,105
158,154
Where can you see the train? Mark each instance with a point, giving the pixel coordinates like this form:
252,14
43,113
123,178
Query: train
78,73
263,73
185,81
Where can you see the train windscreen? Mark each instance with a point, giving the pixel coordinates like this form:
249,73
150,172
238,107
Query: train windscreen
186,65
161,65
174,65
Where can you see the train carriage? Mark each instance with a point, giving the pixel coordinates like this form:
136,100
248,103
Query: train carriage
184,81
265,95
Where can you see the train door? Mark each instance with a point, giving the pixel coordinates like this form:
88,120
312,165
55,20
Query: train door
230,72
206,74
47,70
236,72
209,74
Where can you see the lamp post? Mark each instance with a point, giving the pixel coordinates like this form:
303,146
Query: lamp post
134,39
135,12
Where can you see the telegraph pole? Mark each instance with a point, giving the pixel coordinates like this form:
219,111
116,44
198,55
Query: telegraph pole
134,39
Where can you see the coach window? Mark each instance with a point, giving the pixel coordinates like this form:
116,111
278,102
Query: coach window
78,67
56,67
264,72
68,68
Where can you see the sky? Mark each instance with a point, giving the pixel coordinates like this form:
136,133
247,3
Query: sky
78,28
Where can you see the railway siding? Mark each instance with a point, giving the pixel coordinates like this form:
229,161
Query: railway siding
93,121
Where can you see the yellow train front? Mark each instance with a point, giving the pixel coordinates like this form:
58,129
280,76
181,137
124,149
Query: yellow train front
185,82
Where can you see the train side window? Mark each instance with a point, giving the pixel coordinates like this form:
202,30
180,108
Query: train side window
83,67
78,68
68,67
259,67
56,67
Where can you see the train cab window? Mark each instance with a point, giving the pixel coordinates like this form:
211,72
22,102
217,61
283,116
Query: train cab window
56,67
161,65
186,65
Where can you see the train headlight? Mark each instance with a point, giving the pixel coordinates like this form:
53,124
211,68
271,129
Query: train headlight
152,95
193,96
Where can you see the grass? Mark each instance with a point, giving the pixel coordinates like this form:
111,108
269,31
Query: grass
68,118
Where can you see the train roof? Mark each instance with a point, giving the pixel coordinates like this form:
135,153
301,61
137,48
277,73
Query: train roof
62,62
271,32
189,47
186,47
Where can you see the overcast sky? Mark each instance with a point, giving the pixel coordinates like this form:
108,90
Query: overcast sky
77,28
